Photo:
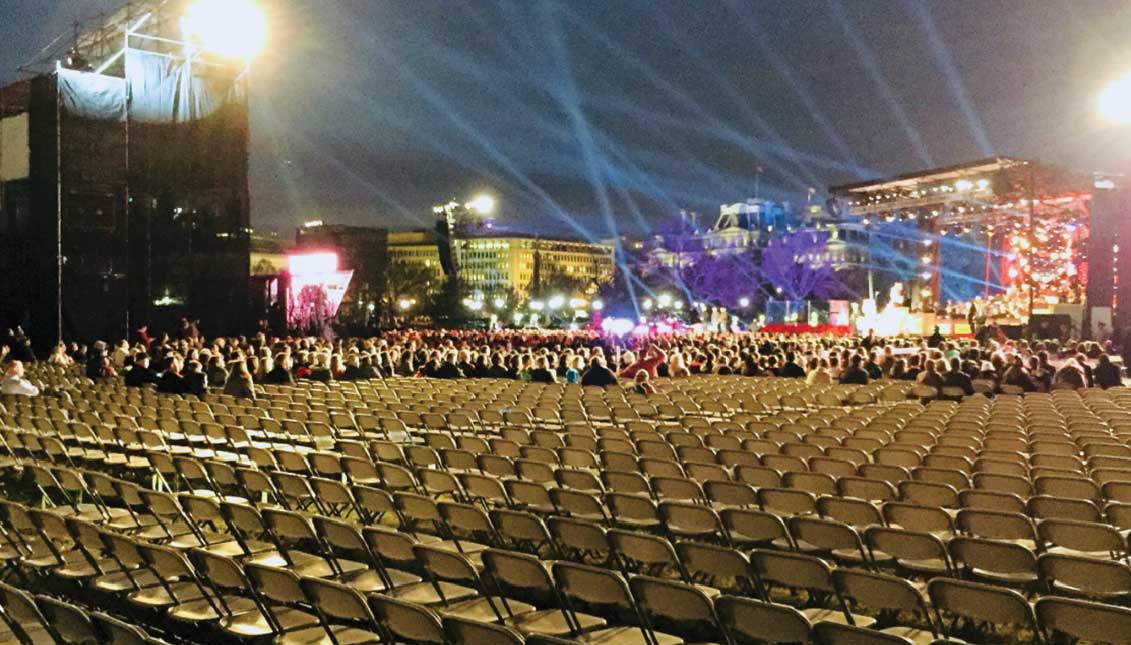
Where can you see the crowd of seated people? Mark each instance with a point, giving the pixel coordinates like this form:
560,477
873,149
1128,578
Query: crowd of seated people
191,364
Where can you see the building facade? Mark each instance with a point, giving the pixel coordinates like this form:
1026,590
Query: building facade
515,264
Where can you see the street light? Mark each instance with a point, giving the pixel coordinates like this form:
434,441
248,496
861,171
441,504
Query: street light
1115,101
481,204
235,29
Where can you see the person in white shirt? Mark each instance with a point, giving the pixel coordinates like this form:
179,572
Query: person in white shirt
15,383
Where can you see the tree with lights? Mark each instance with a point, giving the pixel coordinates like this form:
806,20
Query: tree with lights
794,266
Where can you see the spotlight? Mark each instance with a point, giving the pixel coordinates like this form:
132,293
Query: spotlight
234,29
598,305
481,204
646,305
744,302
556,302
1115,101
500,303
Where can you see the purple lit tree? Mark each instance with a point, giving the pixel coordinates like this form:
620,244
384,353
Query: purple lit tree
794,266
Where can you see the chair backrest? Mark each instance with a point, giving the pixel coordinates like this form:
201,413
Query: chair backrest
794,570
879,591
746,619
980,602
339,601
118,632
1081,574
826,633
22,614
407,621
675,604
71,623
1084,620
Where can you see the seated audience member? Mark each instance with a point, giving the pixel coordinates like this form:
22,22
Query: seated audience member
139,373
541,372
280,374
196,381
854,374
15,384
641,384
1069,376
790,369
217,371
240,383
955,377
171,381
1107,374
598,374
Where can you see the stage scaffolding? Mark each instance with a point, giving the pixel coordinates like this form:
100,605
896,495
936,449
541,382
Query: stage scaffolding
149,165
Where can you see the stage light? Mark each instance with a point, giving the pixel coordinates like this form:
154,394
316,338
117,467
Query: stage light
1115,101
598,305
312,263
678,304
500,303
646,305
481,204
744,302
576,303
235,29
665,300
556,302
537,305
404,304
963,185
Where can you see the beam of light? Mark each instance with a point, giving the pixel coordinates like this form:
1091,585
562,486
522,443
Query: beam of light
774,58
570,102
642,69
740,101
953,79
872,68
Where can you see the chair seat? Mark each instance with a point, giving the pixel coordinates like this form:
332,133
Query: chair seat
253,623
628,636
931,566
913,634
551,622
479,609
120,582
819,614
1000,577
423,593
211,608
317,636
160,596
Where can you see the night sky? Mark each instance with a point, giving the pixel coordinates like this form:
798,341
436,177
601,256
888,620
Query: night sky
591,117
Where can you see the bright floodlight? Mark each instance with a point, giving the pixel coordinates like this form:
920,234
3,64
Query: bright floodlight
482,204
234,29
1115,101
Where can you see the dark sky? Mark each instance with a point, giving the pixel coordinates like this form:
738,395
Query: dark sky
594,116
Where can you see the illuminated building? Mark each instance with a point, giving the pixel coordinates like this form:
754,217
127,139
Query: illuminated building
512,263
417,250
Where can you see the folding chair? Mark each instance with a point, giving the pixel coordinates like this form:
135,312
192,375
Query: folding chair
1083,620
979,602
745,619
